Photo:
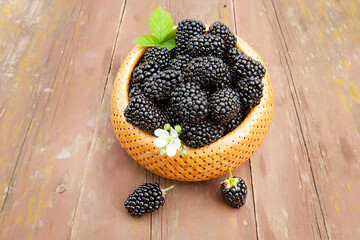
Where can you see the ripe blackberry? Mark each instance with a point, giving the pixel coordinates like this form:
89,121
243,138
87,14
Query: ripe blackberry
223,31
158,87
200,134
231,54
142,113
224,105
172,115
234,191
250,91
159,55
237,120
144,71
172,53
135,90
244,66
187,29
189,102
146,198
180,63
204,45
209,72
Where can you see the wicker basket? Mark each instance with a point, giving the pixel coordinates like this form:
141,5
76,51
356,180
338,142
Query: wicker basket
199,164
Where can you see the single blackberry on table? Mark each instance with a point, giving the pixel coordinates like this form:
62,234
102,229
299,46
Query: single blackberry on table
143,113
159,55
144,71
250,91
187,29
237,120
224,105
208,72
234,191
223,31
180,63
135,90
204,45
200,134
158,87
189,102
244,66
146,198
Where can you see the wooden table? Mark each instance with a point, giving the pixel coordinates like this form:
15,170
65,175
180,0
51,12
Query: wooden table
63,175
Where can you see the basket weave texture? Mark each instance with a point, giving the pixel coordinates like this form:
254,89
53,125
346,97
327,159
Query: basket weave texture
200,164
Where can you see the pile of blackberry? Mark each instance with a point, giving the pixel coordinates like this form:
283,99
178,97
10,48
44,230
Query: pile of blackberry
205,84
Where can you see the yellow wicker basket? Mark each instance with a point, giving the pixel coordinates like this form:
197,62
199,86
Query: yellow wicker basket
199,164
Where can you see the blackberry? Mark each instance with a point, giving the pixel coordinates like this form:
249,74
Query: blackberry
189,102
144,71
204,45
187,29
172,53
209,72
224,105
159,55
146,198
223,31
231,54
237,120
234,191
173,117
158,87
245,66
200,134
135,90
180,63
250,91
143,113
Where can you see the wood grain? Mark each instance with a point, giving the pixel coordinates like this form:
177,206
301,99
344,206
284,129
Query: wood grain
172,220
321,45
285,196
63,71
63,175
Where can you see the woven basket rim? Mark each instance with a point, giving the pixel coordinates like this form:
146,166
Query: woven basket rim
254,127
247,50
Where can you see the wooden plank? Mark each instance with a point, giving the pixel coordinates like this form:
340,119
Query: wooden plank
112,175
285,196
196,210
321,44
24,73
63,71
192,210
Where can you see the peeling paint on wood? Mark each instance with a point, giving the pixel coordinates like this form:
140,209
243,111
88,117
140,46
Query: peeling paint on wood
64,175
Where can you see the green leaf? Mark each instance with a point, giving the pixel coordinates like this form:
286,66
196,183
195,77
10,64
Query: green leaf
170,35
170,44
147,40
160,23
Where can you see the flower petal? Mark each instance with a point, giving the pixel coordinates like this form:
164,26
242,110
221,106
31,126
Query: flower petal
161,141
173,133
173,147
161,132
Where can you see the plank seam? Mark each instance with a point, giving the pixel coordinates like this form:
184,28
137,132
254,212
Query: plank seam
102,99
251,175
253,196
11,182
287,59
113,50
234,15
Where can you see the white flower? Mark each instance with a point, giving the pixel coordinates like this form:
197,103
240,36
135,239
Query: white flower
170,140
